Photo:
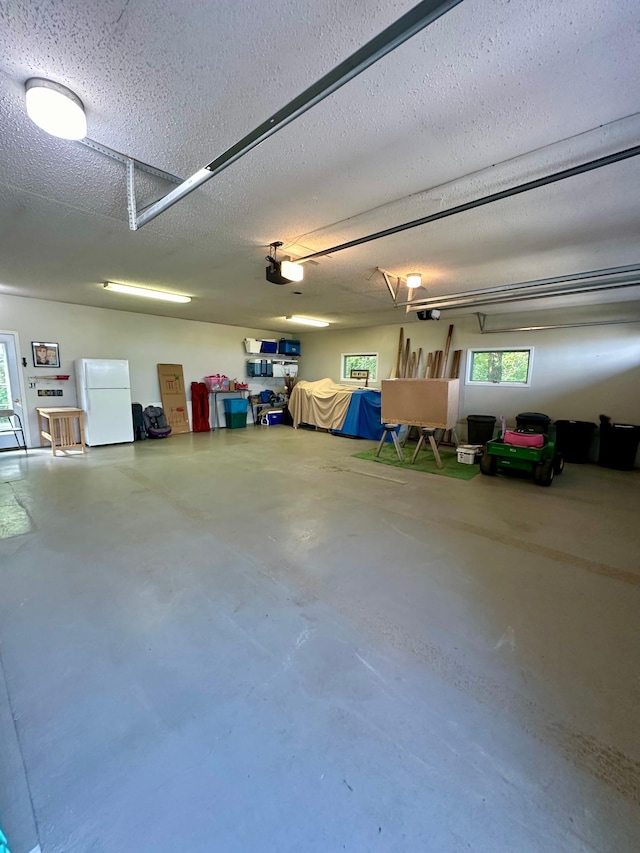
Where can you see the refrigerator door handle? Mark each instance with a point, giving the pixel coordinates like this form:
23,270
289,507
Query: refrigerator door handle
85,388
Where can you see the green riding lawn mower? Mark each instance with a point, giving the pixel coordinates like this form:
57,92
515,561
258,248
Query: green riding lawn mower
531,448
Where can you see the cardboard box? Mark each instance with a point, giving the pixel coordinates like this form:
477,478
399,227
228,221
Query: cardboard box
429,403
174,400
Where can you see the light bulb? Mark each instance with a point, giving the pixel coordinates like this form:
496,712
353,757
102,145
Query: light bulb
131,290
307,321
55,109
292,271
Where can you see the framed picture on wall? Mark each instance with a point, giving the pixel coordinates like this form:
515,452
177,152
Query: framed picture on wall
45,354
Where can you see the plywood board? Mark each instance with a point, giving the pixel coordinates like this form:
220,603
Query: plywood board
421,402
174,400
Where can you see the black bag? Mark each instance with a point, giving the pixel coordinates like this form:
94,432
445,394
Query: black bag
139,431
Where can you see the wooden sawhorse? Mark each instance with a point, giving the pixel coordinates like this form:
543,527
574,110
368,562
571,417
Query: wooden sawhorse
426,433
390,429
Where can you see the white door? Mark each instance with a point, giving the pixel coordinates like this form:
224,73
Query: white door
106,373
10,389
108,417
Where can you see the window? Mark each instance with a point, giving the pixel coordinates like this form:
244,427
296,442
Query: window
500,366
359,361
5,388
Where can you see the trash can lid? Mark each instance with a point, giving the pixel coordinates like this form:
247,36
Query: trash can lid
533,416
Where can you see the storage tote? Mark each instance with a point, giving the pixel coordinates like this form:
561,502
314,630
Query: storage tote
252,345
235,406
259,367
235,420
217,382
271,417
269,346
288,347
467,454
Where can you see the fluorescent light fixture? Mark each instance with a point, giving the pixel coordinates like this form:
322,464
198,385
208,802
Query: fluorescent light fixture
55,109
414,279
292,270
130,290
307,321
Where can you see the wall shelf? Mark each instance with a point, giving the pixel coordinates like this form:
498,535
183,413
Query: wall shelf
60,377
273,356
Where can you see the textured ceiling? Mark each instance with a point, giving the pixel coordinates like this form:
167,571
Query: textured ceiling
493,94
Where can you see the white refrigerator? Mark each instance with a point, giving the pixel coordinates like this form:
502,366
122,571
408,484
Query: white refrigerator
105,395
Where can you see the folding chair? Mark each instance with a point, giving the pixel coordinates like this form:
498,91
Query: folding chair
9,415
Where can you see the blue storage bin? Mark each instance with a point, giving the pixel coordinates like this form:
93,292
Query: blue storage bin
235,406
288,347
269,346
259,367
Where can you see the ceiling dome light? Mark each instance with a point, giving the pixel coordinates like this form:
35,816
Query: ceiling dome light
292,270
414,279
55,109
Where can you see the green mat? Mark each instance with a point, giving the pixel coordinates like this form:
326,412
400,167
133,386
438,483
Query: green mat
425,461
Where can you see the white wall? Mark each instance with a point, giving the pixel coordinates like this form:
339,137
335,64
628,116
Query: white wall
82,332
578,373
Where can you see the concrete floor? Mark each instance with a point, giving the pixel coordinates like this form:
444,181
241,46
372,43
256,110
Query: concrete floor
251,641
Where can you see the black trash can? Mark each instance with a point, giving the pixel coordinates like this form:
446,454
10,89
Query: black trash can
618,445
535,421
574,439
480,428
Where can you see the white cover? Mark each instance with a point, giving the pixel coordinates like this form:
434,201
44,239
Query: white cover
323,403
108,417
105,373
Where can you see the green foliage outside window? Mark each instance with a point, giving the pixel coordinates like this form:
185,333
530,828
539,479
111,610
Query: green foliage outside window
361,361
5,390
500,366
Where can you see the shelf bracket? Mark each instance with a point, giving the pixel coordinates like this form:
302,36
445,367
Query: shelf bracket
394,294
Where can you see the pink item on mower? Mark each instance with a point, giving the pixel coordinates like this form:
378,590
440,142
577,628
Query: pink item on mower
523,439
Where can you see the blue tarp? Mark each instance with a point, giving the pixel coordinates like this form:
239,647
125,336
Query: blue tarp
363,416
3,844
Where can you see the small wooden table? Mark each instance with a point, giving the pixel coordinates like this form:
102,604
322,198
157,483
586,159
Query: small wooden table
62,428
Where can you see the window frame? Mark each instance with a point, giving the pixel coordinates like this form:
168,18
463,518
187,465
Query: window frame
469,381
348,378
